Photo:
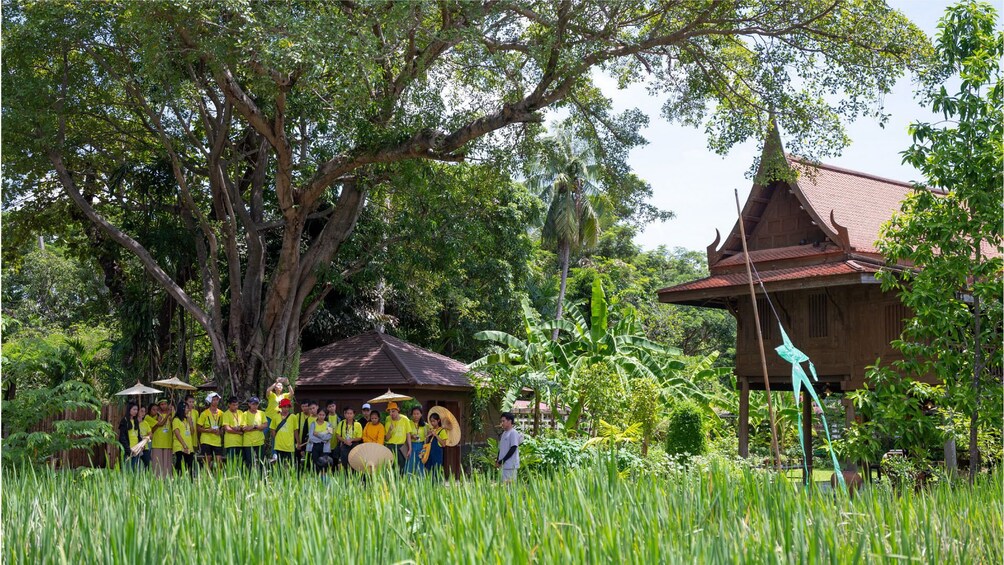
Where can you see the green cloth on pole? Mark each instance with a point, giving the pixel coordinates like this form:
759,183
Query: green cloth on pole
791,354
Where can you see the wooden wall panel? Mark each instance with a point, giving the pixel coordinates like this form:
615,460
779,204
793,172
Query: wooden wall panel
783,223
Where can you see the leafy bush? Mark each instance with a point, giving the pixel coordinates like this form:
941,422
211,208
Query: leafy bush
896,412
31,407
686,433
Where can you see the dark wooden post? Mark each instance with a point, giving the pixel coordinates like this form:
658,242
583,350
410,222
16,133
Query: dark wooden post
849,417
807,435
744,417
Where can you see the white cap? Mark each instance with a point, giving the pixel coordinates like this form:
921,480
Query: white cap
367,405
211,395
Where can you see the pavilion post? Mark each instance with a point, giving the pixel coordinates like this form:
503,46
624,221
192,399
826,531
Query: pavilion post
807,435
744,417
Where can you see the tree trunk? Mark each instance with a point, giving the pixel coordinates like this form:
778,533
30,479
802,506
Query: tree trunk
564,250
974,455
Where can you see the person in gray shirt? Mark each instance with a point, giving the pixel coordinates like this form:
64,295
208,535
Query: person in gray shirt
508,457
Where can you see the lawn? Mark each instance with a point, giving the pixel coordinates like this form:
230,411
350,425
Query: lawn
715,515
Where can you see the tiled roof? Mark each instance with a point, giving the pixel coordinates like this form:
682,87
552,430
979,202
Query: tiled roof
779,254
859,202
740,279
374,359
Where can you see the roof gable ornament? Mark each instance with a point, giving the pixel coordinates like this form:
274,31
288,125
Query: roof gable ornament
713,254
843,237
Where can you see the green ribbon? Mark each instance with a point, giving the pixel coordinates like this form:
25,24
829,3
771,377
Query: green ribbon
793,355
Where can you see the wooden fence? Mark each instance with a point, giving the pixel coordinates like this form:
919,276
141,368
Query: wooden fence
97,457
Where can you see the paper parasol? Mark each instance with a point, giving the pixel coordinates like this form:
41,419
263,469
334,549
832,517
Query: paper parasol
449,423
174,382
369,456
138,389
389,397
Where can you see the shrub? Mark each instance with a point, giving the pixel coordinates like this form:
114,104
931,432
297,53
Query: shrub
30,407
686,435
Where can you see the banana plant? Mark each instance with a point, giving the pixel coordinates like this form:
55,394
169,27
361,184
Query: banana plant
536,362
621,347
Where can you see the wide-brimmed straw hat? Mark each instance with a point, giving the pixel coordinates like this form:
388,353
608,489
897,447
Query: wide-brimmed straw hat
450,423
368,456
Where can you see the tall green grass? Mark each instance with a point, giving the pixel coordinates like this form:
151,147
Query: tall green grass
716,515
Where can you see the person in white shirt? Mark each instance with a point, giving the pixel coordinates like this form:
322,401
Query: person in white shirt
508,457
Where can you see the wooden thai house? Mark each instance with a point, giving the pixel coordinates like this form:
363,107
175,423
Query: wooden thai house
356,369
812,244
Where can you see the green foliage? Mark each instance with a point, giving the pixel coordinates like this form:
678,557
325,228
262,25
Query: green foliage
633,277
645,408
948,235
34,359
589,367
686,434
613,437
897,413
587,513
26,447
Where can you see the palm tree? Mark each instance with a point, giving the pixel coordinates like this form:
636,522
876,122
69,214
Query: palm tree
566,178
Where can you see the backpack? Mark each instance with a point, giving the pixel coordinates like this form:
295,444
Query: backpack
426,449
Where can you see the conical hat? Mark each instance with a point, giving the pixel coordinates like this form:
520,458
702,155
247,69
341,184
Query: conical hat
450,423
369,456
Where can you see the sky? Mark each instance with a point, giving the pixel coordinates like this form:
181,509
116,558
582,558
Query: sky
697,184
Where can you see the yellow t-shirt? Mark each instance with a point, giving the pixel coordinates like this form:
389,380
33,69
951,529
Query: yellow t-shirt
231,439
208,420
443,435
256,437
144,428
133,434
355,431
285,440
186,433
320,428
163,438
397,432
272,409
373,433
418,431
194,414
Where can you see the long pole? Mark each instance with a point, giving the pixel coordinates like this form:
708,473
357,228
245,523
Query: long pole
759,339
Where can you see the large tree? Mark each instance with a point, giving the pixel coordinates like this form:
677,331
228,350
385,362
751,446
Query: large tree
276,117
949,232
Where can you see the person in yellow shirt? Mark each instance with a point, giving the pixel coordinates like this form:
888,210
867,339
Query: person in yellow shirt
318,438
374,432
349,434
129,436
398,428
162,439
181,445
274,395
210,423
190,401
233,437
146,422
254,424
435,440
416,436
285,433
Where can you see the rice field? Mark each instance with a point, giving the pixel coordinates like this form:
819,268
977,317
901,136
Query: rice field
716,515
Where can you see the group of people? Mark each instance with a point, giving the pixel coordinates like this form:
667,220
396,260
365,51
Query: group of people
315,438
